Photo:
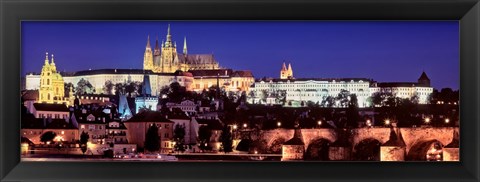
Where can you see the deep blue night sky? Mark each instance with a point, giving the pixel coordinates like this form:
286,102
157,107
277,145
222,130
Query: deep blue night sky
383,51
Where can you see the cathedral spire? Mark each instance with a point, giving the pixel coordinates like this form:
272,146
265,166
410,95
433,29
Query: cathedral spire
156,42
185,45
148,42
168,43
284,68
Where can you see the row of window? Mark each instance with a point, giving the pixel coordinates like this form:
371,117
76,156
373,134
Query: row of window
40,132
53,116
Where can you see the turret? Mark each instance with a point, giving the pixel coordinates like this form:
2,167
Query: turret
146,89
46,58
424,80
52,65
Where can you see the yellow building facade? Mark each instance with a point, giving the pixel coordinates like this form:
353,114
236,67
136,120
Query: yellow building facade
52,85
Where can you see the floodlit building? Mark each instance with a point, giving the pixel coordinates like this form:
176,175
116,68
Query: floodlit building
297,92
146,100
165,59
138,125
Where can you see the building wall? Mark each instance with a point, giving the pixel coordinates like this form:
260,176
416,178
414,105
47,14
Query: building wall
316,91
51,114
96,132
187,124
136,133
32,82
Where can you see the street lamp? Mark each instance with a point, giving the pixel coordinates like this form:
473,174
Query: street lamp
244,125
427,120
235,127
369,123
387,122
279,124
319,123
447,120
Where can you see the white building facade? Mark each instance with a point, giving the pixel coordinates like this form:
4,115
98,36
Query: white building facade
298,92
98,78
294,92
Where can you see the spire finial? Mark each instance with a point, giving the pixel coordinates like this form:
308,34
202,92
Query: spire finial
185,45
168,43
168,31
156,42
148,41
53,62
46,57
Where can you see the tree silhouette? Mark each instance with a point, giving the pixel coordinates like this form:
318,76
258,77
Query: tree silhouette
84,87
204,134
226,139
152,140
352,112
178,137
83,141
47,136
108,87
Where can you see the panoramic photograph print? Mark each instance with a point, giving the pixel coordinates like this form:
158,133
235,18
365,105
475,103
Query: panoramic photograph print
235,91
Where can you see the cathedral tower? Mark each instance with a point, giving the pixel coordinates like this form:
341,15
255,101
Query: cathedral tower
148,56
169,59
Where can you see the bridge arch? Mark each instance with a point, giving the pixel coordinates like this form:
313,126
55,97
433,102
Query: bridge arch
275,146
367,149
318,149
427,149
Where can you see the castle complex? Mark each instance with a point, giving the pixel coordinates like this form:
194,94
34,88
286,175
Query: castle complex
162,65
167,60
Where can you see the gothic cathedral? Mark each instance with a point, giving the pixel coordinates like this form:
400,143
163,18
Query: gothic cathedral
167,60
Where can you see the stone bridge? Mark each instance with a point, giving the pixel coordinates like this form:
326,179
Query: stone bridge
417,138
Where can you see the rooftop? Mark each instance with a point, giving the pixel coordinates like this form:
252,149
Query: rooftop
50,107
149,116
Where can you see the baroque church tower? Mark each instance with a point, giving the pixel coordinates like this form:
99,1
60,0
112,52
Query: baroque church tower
52,86
148,56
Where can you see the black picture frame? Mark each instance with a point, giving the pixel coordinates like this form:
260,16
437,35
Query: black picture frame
13,12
